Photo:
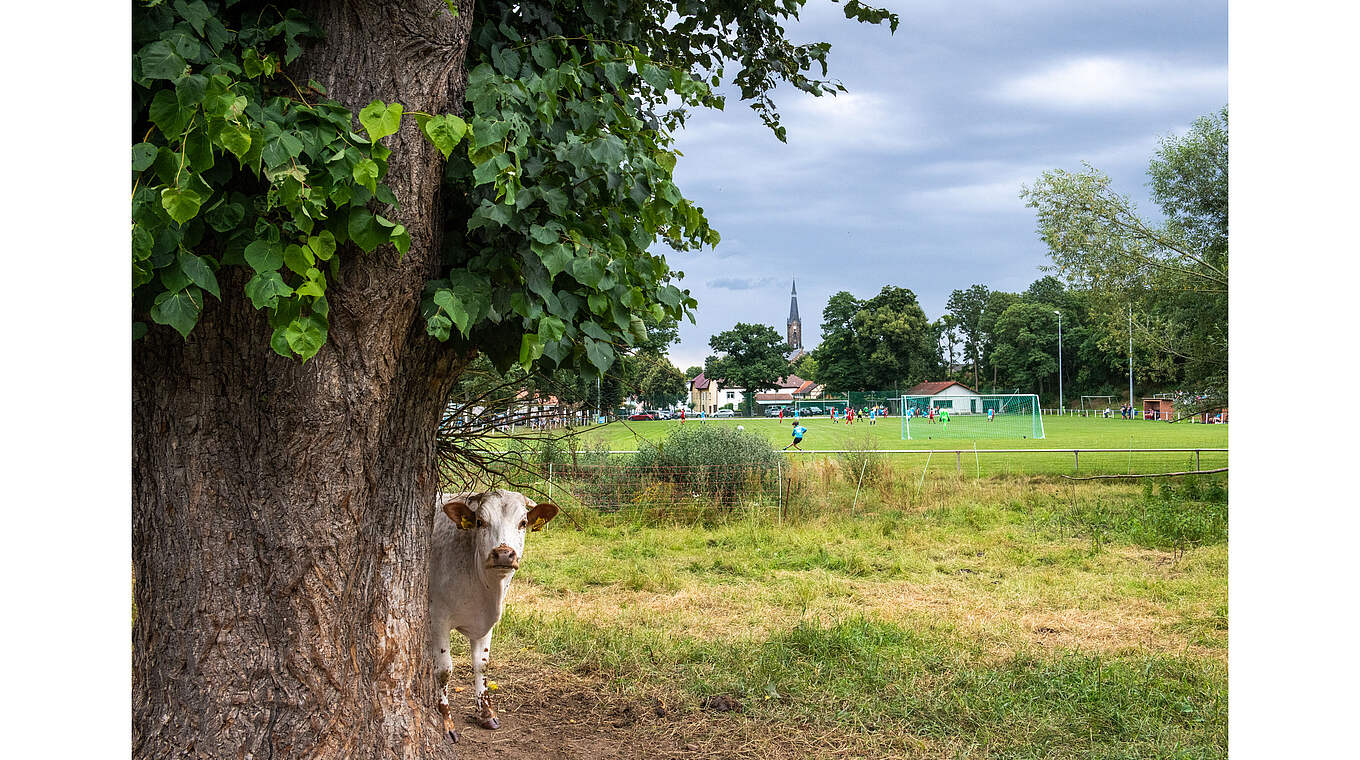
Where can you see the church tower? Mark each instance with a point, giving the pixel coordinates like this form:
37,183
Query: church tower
795,325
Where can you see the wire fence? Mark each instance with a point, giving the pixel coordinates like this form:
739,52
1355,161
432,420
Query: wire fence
722,491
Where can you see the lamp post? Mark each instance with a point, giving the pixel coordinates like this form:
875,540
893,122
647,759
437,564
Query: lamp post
1060,391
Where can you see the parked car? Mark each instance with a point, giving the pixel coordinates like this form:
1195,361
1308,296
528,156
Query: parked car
642,416
664,414
811,411
724,413
775,410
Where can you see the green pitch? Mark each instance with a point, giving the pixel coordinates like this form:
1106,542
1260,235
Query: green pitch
1061,432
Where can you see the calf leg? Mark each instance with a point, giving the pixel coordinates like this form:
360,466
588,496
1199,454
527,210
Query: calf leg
443,668
481,652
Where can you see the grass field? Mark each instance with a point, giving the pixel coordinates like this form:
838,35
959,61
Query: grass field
1012,617
1060,432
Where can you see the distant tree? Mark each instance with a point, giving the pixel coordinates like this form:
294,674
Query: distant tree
693,372
750,357
946,331
655,381
1026,347
997,303
893,340
1172,275
967,307
806,367
838,365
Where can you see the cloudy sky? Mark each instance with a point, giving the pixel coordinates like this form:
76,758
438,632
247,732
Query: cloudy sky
912,179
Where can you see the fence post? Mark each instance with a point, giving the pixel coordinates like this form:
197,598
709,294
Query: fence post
779,507
861,482
550,476
1076,461
1197,467
958,461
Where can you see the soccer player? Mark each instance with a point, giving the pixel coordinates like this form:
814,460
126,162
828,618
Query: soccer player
798,432
991,414
682,415
781,415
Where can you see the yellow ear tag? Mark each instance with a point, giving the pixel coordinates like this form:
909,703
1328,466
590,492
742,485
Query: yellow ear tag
466,523
539,523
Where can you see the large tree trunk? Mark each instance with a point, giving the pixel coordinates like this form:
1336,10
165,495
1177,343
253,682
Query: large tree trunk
282,511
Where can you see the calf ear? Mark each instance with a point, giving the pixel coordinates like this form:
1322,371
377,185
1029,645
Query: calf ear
541,514
461,514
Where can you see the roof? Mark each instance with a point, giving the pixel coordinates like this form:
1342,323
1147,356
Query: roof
790,381
699,382
932,388
770,398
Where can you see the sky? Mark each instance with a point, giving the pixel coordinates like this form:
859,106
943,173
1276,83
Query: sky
913,177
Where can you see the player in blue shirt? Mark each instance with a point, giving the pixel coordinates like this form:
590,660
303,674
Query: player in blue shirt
798,431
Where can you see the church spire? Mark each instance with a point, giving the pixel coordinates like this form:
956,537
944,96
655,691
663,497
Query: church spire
795,325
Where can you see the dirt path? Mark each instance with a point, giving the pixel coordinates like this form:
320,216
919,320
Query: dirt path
549,714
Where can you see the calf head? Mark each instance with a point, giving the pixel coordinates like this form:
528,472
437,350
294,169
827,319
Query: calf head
498,521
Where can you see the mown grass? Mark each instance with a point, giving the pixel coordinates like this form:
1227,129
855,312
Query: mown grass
1060,432
1005,617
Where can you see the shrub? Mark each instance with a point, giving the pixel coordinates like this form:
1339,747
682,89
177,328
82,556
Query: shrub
709,459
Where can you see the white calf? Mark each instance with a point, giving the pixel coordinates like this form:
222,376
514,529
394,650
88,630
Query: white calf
478,543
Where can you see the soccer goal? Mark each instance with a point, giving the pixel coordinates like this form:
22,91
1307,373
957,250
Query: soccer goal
1009,415
1096,404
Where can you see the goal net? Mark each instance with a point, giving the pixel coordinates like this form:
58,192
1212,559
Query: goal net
1097,404
816,407
1011,415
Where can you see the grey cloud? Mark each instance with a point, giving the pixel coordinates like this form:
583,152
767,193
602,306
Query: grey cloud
740,283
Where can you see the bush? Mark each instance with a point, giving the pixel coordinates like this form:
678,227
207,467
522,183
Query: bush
709,459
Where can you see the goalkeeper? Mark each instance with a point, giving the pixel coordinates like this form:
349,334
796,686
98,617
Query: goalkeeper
944,418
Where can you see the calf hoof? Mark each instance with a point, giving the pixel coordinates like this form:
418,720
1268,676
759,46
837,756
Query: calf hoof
488,719
452,734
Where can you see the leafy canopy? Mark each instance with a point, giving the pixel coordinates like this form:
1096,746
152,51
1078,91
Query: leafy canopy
559,174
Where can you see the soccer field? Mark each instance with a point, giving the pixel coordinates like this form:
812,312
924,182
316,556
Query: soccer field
822,433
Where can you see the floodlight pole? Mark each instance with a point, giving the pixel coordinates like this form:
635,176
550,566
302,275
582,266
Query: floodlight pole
1060,391
1130,359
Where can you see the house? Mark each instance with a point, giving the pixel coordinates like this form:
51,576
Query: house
788,389
949,394
707,395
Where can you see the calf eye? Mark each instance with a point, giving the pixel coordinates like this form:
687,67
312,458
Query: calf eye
481,523
524,523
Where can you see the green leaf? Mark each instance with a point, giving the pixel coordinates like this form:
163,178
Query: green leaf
266,288
543,234
445,132
551,329
315,285
199,272
142,156
530,348
182,204
160,61
225,217
366,174
264,256
599,353
588,271
401,239
196,13
380,119
306,335
298,259
322,245
365,231
637,328
180,309
556,258
235,138
166,114
437,326
189,90
138,330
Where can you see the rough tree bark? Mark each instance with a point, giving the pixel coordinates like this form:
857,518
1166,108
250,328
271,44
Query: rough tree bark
281,516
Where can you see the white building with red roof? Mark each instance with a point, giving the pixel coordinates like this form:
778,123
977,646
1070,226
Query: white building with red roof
949,394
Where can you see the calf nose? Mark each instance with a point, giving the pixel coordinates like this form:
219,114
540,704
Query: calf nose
504,556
